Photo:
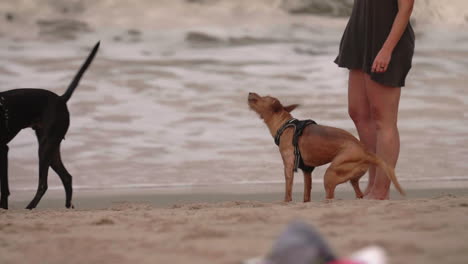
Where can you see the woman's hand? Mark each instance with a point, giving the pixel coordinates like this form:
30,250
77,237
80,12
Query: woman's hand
381,61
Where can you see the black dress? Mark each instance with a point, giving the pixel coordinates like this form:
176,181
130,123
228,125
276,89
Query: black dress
368,28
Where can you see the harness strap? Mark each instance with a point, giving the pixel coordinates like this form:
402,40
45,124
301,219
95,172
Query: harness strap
289,123
299,127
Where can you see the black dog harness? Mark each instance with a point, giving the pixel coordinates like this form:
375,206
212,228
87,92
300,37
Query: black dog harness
4,111
298,129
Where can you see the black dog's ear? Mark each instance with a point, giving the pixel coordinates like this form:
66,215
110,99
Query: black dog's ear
289,108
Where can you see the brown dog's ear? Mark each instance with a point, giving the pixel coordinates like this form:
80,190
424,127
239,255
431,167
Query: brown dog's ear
276,106
289,108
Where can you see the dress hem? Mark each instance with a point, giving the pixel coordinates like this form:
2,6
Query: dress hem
400,84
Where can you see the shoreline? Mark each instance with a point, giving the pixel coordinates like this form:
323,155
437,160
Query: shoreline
173,196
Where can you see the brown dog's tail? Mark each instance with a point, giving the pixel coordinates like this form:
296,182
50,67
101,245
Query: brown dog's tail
66,96
389,171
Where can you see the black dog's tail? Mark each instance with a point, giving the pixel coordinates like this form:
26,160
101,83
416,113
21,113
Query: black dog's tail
66,96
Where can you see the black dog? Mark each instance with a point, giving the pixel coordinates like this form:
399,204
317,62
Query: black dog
47,114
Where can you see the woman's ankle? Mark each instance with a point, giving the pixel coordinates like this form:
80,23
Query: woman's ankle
378,194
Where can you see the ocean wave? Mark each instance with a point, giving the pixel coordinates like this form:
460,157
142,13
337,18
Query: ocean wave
338,8
451,12
156,12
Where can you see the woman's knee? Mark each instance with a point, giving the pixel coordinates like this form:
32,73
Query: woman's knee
359,115
382,120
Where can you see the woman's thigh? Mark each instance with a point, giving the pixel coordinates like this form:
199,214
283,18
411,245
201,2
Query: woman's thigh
358,102
383,101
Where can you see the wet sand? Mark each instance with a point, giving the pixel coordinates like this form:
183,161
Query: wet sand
168,196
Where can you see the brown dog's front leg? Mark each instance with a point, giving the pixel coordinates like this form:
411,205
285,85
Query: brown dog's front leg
289,176
307,186
287,154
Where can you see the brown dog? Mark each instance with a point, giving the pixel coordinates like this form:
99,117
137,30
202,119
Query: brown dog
318,145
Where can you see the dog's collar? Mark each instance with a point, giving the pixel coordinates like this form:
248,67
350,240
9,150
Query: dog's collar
290,123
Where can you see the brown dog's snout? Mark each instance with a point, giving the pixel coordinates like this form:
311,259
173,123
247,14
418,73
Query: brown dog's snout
252,97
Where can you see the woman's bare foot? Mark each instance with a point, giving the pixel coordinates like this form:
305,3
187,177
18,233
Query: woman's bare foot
368,189
374,195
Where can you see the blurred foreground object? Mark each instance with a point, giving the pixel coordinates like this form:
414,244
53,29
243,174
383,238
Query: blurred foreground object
302,244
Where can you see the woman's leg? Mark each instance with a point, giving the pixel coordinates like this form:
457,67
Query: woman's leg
360,112
384,101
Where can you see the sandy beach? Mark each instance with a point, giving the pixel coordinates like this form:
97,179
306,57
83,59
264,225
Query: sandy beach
170,166
228,226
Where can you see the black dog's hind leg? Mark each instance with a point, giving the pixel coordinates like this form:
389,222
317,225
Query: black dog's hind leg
47,147
59,168
4,188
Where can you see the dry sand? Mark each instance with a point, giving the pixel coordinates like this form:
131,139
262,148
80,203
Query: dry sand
150,226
